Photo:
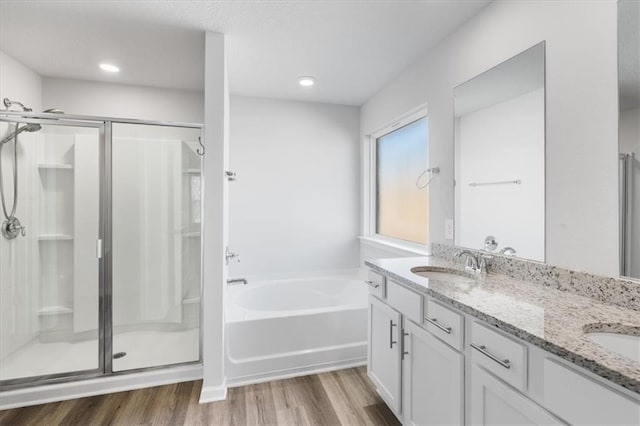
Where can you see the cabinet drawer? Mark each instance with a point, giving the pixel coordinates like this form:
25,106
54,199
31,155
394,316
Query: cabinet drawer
580,400
405,301
500,355
444,323
377,284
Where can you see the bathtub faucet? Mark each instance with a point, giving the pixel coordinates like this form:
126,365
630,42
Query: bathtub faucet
236,281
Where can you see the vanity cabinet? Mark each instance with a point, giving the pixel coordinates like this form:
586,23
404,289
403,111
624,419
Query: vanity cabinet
434,365
432,381
384,353
419,376
495,403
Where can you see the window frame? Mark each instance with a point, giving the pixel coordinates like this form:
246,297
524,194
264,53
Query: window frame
369,232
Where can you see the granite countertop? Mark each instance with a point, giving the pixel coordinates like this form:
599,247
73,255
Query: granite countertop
551,319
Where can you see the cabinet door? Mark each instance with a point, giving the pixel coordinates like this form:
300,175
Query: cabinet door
432,380
384,362
495,403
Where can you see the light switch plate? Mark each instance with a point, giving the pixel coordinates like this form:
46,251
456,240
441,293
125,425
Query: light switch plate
448,229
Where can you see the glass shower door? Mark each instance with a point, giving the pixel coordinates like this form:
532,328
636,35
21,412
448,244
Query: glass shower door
49,266
155,245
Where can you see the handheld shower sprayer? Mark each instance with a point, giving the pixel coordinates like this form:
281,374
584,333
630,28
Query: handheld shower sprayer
31,127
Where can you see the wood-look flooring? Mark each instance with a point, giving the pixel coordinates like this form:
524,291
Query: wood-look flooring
345,397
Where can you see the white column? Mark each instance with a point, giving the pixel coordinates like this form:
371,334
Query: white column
216,101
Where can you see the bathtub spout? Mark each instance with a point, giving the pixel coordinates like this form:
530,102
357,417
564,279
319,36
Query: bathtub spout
236,281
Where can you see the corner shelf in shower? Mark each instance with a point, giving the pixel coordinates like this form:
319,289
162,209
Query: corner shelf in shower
54,310
195,234
192,171
55,237
55,166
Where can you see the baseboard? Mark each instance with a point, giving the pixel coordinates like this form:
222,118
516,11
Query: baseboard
98,386
213,394
295,372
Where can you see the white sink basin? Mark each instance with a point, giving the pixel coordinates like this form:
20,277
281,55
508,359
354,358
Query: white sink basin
443,274
624,344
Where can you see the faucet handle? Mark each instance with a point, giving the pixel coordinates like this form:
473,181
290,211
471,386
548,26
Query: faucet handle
228,255
484,262
508,251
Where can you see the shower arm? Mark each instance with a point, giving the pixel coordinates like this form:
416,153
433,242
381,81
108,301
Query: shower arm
8,103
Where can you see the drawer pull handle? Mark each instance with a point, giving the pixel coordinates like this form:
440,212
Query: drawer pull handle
434,321
483,350
372,284
404,352
391,341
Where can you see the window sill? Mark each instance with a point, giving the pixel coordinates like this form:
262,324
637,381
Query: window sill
402,249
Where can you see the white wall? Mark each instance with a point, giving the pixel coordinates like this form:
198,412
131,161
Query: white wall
19,83
502,142
581,116
294,207
122,100
19,277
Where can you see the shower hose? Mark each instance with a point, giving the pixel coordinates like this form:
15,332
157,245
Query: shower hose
15,179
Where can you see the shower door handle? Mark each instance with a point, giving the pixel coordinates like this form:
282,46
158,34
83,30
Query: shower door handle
99,248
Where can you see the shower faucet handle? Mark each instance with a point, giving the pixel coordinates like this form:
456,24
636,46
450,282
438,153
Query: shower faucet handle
20,228
228,255
12,227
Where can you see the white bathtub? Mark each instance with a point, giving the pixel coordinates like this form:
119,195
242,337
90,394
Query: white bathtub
282,328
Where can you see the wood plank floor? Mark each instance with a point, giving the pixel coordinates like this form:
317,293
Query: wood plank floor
344,397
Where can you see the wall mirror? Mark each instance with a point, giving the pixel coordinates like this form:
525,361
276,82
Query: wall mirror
500,158
629,135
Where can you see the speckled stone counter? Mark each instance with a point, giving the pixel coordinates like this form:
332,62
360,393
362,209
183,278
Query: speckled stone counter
552,319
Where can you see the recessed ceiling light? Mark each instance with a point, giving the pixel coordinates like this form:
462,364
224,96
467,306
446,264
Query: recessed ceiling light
306,81
109,68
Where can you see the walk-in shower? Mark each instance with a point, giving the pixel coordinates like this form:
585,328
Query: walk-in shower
106,277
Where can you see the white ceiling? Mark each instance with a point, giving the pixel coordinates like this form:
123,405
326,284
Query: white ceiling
353,48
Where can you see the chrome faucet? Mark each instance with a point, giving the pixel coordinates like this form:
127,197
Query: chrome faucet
472,260
235,281
478,264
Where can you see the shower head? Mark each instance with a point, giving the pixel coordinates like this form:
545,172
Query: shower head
54,111
31,127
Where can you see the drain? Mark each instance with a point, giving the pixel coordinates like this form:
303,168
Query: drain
119,355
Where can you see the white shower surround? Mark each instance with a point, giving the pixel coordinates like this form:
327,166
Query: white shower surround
288,327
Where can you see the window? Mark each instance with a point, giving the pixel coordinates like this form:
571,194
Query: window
401,200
